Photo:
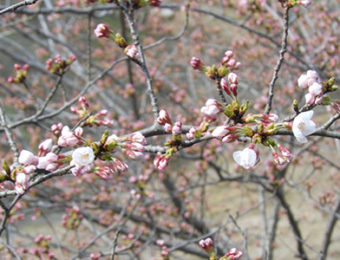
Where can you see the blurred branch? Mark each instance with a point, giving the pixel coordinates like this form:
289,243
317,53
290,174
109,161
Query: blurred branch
294,224
11,143
329,231
13,7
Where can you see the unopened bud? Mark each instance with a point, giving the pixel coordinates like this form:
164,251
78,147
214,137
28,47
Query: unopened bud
228,111
104,137
334,88
296,106
120,41
222,71
244,108
256,139
331,81
326,100
5,167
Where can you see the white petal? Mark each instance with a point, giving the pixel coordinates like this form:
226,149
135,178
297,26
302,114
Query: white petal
250,158
306,115
238,157
309,128
300,137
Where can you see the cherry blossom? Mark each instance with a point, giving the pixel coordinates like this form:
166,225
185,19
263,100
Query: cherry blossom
21,183
303,126
247,158
27,158
82,156
102,31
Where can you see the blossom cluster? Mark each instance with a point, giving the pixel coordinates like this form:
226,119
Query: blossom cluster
21,74
58,65
310,80
100,118
257,127
82,158
29,163
208,246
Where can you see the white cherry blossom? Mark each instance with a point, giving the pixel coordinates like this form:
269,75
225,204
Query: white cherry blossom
247,158
82,156
303,126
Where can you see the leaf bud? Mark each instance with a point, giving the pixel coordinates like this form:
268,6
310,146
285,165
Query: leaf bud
222,71
95,148
334,88
236,106
5,167
331,81
228,111
296,106
104,137
120,41
326,100
244,108
257,139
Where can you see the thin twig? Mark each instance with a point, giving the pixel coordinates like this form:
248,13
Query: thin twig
328,235
143,64
13,7
9,136
280,61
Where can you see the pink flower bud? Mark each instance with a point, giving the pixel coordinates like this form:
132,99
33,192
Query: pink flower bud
285,153
138,138
167,128
303,81
315,89
94,256
10,80
225,60
225,87
27,158
51,167
102,31
229,138
229,53
309,98
72,58
25,67
233,88
51,157
132,51
82,101
161,161
79,170
232,78
191,134
305,3
102,112
206,244
211,108
30,169
160,242
17,66
78,132
234,254
155,3
45,146
163,118
177,129
231,63
220,131
21,183
196,63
